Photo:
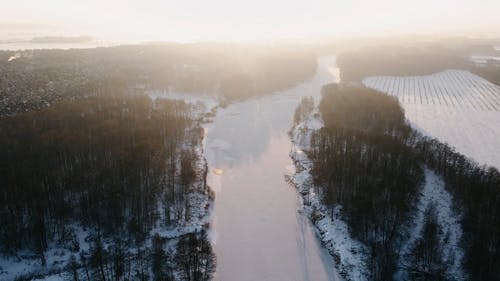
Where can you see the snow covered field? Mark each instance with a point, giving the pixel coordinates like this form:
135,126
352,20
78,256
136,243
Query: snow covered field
203,103
455,106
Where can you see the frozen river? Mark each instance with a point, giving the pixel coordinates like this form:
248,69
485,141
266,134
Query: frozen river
258,233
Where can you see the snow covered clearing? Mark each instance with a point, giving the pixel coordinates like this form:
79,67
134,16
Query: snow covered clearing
349,254
434,192
455,106
57,257
203,103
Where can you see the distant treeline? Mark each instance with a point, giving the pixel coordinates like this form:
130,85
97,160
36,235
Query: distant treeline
368,160
401,61
490,72
396,61
34,79
62,39
116,165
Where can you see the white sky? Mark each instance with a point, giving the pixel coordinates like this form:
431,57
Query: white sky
190,20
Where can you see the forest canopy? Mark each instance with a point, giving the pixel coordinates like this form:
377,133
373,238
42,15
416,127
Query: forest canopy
115,165
369,161
361,162
35,79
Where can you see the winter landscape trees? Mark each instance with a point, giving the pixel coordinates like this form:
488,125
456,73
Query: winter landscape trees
425,260
115,169
361,162
371,163
99,182
91,167
34,79
476,190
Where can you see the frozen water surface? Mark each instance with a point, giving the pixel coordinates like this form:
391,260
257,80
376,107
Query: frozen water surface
258,233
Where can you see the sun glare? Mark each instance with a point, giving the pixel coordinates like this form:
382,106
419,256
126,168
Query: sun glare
239,20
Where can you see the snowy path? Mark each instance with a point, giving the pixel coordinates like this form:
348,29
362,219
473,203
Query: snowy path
454,106
258,233
434,192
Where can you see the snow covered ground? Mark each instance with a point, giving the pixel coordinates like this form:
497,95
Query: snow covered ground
203,103
455,106
349,254
25,263
434,192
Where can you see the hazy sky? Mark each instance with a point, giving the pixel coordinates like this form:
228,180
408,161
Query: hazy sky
189,20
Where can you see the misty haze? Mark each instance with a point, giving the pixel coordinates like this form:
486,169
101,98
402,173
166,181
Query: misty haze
250,140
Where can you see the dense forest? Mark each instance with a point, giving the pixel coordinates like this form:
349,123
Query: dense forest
362,162
117,169
34,79
371,163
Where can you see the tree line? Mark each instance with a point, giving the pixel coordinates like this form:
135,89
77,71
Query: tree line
417,60
370,161
398,61
361,161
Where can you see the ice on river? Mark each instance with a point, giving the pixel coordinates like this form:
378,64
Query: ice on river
258,233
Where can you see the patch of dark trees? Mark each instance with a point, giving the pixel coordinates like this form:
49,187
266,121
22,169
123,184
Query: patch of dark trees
476,190
370,161
192,259
105,164
396,61
35,79
362,161
416,61
490,71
